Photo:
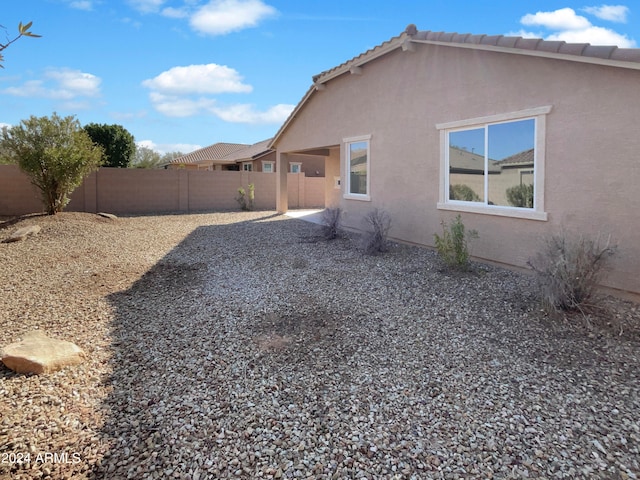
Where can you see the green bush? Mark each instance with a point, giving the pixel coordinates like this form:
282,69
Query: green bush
463,192
453,245
520,195
568,271
56,154
246,200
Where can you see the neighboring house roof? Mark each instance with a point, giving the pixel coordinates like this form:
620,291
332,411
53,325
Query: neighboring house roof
518,159
249,152
464,161
215,152
577,52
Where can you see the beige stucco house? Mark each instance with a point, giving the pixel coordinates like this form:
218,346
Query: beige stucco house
522,137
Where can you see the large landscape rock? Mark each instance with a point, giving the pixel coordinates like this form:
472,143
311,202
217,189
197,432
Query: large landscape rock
22,233
37,353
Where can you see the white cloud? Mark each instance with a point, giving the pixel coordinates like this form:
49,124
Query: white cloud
76,82
612,13
59,84
220,17
82,5
163,148
174,106
594,36
146,6
245,113
573,28
203,79
172,12
563,19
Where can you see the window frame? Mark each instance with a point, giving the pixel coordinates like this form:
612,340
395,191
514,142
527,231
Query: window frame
249,165
535,213
295,164
271,165
347,168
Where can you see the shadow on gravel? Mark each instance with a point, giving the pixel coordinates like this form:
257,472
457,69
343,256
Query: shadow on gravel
249,351
187,334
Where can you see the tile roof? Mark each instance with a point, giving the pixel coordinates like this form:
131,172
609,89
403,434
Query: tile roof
579,52
249,152
526,157
217,151
585,52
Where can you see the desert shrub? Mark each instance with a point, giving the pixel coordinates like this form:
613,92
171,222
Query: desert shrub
331,219
453,245
520,195
246,199
463,192
55,152
568,270
374,240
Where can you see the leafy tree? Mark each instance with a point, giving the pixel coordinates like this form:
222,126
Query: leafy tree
146,158
118,144
23,31
169,156
56,153
5,156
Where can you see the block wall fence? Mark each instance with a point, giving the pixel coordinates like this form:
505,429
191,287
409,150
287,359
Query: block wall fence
141,191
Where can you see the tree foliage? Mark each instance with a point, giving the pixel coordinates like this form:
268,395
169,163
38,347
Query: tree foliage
146,158
169,156
118,144
463,192
55,152
520,195
23,31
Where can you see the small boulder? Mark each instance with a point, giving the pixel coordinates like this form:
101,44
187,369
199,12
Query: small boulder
110,216
37,353
22,233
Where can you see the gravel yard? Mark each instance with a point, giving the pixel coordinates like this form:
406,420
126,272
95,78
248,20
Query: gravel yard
238,345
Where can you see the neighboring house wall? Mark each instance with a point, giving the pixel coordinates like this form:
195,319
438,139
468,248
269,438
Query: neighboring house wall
312,165
590,174
303,191
131,191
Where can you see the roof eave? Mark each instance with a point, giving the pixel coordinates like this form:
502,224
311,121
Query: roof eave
534,53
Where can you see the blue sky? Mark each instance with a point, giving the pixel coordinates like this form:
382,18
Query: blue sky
184,74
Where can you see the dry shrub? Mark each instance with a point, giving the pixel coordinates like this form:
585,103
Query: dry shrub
568,271
331,221
375,238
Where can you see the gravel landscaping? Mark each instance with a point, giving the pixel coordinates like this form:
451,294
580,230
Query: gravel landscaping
241,345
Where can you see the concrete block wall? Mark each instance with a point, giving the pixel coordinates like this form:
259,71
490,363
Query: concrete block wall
138,191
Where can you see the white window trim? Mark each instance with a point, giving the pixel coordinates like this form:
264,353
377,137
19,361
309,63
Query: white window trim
345,162
537,212
265,162
245,164
291,164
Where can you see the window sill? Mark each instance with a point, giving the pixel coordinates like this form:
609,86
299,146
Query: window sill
362,198
498,211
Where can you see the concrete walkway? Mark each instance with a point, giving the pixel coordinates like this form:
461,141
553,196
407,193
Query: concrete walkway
314,216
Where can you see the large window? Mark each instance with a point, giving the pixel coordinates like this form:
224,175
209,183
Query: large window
357,168
495,164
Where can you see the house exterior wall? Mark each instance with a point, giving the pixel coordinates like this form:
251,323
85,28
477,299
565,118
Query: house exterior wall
591,173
